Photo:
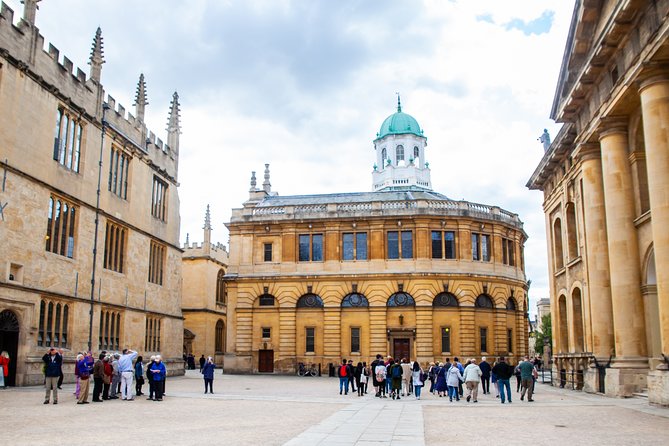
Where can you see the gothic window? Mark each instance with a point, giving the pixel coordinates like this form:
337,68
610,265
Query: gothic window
310,300
221,292
401,299
67,140
60,227
159,199
266,300
109,334
399,154
220,336
484,301
156,262
445,299
53,324
152,334
119,164
353,300
115,237
511,304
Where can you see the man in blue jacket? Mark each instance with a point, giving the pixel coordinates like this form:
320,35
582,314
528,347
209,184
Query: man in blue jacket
53,363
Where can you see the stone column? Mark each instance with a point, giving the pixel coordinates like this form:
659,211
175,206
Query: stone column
628,316
655,109
597,253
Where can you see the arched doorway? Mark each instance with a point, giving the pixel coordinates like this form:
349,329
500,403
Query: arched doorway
9,341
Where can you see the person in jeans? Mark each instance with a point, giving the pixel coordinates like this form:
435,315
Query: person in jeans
116,377
453,379
53,366
485,375
503,372
527,379
342,373
350,373
417,379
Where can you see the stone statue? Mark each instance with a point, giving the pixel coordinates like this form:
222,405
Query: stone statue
545,139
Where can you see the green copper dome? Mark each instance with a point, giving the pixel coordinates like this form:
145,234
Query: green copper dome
399,123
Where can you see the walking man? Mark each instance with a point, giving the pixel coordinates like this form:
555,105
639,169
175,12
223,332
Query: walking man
98,377
53,363
472,377
343,377
485,375
127,373
503,372
526,379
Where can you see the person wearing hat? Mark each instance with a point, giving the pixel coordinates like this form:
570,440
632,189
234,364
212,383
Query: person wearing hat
53,363
149,376
159,372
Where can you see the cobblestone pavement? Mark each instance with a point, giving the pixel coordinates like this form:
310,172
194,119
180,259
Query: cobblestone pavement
275,410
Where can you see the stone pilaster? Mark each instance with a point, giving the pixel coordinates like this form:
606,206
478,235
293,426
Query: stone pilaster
499,333
628,316
287,333
597,253
424,335
467,332
378,342
332,334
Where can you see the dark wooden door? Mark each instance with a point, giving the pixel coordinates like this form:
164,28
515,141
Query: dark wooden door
266,361
401,348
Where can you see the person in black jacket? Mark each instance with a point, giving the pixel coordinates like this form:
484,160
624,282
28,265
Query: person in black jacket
53,366
485,375
350,372
504,372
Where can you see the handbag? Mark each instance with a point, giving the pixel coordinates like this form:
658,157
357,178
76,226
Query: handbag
363,379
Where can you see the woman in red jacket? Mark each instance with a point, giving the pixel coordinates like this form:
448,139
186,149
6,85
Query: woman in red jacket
4,363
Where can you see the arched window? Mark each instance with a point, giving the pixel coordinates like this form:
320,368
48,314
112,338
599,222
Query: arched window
353,300
511,304
266,300
220,336
416,152
578,320
399,154
483,301
401,299
384,154
557,243
310,300
221,291
563,345
572,233
445,299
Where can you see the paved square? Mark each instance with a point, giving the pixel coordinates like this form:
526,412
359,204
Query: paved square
276,410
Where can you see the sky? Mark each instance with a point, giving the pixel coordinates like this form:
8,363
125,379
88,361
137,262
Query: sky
305,85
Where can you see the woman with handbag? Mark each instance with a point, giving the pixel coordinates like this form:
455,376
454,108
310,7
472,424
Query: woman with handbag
139,376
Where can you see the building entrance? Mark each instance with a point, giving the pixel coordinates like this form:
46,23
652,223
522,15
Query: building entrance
266,361
9,342
401,348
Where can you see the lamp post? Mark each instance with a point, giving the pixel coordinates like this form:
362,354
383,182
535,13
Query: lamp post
105,107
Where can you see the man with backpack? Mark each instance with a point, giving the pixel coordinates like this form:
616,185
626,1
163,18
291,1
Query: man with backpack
395,374
342,373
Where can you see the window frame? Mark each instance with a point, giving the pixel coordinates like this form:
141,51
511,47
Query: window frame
483,339
355,339
159,193
401,248
445,335
265,332
61,234
355,243
310,339
267,251
312,246
67,140
444,244
115,246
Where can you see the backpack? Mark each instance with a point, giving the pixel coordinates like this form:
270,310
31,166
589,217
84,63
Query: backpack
423,377
342,371
397,371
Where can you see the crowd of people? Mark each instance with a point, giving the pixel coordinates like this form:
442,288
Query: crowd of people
397,378
113,376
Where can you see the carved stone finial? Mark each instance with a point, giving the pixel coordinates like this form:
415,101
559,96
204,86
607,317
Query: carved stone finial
97,56
141,101
399,103
266,186
207,219
173,124
253,182
30,10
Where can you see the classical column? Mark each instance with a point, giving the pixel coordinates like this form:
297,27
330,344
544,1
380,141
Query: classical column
628,315
597,253
655,110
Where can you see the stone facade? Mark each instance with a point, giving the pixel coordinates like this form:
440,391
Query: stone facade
606,199
403,271
205,297
54,126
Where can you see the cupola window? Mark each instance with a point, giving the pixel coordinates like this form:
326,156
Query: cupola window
399,154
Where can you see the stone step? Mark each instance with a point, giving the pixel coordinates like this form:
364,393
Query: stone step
642,394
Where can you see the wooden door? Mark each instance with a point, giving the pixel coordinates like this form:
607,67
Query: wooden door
266,361
401,348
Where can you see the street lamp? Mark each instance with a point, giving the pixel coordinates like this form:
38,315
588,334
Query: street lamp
105,107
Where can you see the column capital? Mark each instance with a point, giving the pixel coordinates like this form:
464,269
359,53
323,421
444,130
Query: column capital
588,151
653,73
610,125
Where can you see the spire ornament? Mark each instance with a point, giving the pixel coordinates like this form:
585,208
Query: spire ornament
399,103
266,185
97,56
207,220
253,182
173,124
30,10
141,100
